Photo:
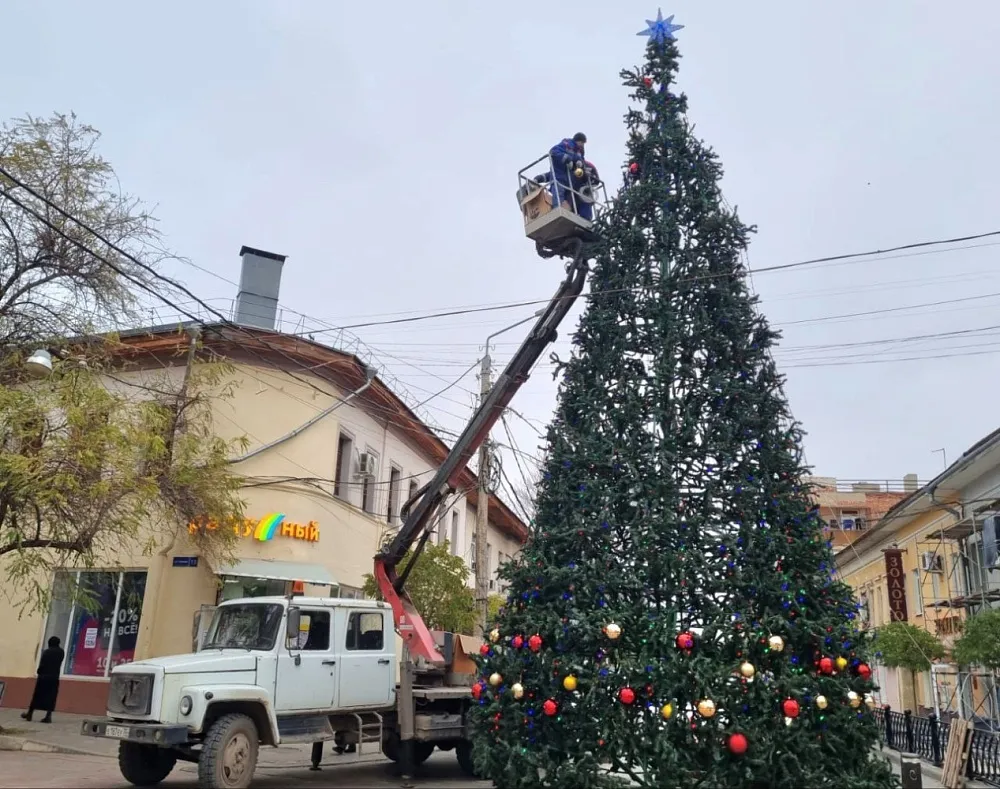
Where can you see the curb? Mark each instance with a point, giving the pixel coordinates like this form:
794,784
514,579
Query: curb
10,742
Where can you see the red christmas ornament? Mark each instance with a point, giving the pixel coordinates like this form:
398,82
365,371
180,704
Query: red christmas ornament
826,665
790,707
550,707
517,642
633,168
737,744
535,643
626,695
477,690
647,82
864,671
484,650
685,640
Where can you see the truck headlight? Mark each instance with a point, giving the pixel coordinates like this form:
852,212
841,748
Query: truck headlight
186,705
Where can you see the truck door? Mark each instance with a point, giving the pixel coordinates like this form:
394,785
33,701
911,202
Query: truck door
307,666
366,672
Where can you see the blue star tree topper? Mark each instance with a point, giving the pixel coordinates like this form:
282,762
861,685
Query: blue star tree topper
660,30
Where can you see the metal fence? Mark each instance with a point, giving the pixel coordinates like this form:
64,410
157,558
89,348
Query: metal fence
927,737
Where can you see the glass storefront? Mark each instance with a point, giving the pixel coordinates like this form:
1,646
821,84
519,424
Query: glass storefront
233,588
96,615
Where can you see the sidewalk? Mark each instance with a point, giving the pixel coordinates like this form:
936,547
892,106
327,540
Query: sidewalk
930,775
63,736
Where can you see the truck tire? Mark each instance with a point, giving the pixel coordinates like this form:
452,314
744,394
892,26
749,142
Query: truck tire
463,752
144,765
229,753
421,750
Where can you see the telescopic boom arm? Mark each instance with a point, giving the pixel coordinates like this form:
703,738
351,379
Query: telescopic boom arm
420,508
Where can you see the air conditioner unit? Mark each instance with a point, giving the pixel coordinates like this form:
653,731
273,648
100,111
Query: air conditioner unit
366,465
931,562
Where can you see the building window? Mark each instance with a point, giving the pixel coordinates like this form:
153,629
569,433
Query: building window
489,560
369,475
473,541
96,615
454,534
364,632
918,598
342,473
392,510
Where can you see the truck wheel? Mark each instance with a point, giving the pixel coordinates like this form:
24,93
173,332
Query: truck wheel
229,753
421,750
463,752
144,765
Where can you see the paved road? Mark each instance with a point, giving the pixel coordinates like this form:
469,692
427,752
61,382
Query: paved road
35,770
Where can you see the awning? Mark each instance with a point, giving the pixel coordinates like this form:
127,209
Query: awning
269,570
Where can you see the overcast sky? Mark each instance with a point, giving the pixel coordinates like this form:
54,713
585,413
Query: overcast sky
377,146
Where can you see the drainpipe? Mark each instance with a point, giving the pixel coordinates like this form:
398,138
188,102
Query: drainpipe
369,379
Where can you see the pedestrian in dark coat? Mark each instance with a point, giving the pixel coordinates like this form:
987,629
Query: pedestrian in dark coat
47,683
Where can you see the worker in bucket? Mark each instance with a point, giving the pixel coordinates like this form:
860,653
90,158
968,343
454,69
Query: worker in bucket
572,171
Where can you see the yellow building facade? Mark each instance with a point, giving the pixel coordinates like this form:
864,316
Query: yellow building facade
321,497
937,531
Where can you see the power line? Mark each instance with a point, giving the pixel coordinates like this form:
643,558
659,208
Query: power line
534,302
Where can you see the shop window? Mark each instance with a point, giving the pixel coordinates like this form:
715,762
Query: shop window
364,632
347,592
96,615
233,588
314,632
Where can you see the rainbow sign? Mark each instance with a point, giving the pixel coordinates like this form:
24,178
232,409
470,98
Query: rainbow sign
267,526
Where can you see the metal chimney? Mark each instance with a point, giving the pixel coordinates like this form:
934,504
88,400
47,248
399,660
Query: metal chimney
260,281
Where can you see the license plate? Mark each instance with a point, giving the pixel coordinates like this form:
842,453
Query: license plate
116,731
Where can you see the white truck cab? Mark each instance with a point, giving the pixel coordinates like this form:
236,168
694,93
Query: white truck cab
270,670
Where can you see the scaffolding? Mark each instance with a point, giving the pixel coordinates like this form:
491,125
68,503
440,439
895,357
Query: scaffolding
953,563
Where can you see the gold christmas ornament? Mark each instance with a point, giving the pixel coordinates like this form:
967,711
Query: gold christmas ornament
841,663
821,702
706,708
776,643
569,683
494,635
495,679
853,699
612,631
578,172
747,670
870,701
517,690
667,711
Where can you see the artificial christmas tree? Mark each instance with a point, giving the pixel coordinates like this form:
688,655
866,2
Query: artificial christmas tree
673,619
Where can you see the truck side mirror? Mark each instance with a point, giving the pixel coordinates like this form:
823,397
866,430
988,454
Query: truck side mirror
292,623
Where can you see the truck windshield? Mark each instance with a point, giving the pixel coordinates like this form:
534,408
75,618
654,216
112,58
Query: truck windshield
245,626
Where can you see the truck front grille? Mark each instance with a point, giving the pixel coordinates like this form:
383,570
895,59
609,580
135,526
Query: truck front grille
130,694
